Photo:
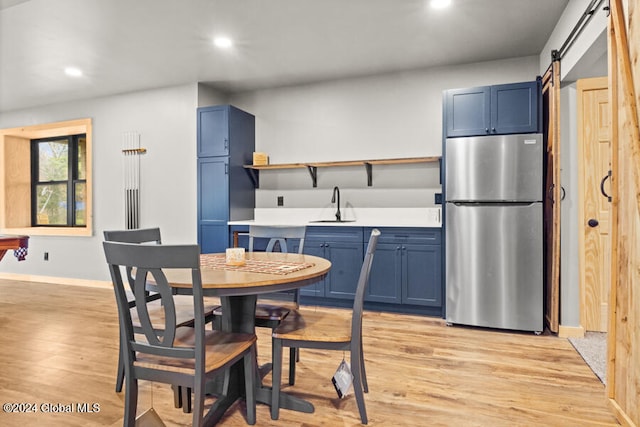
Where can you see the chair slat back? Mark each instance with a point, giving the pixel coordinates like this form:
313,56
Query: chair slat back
138,235
149,263
363,282
277,234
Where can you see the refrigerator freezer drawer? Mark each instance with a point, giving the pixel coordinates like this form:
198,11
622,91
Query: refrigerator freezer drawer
494,265
494,168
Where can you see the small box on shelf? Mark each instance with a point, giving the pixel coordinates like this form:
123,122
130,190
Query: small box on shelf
260,159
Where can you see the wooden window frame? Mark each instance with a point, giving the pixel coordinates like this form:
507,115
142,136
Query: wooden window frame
15,177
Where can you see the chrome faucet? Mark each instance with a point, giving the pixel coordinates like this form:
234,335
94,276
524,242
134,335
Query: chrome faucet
336,190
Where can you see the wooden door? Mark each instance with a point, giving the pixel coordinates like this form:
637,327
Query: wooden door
552,187
623,343
594,231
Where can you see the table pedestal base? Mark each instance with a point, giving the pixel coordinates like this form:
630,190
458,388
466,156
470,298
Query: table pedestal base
238,315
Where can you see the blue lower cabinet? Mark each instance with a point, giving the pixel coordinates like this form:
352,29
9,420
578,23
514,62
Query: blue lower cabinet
407,267
406,275
343,247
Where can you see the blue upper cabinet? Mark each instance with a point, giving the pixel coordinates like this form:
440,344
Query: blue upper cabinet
492,110
226,142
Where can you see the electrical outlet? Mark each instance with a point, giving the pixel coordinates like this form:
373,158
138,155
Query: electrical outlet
280,200
46,256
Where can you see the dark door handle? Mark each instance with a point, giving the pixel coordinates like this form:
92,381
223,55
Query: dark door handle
604,193
593,223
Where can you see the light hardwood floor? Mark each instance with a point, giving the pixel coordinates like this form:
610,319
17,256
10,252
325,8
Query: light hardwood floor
59,344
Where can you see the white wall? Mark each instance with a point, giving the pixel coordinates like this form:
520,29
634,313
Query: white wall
166,120
385,116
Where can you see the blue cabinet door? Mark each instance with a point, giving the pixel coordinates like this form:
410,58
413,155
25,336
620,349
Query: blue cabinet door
468,111
514,108
386,274
346,260
213,238
213,204
315,248
213,131
422,282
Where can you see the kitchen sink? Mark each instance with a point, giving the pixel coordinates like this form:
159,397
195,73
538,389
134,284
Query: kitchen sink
334,220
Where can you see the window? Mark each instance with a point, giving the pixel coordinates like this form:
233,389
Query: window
16,180
58,181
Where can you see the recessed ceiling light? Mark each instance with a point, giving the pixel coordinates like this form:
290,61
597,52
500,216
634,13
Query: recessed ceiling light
73,72
440,4
223,42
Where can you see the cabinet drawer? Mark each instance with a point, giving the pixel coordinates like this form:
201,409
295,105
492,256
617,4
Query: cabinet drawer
334,234
417,235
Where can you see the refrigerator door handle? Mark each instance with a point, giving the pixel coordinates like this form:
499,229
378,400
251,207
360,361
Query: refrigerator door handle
495,204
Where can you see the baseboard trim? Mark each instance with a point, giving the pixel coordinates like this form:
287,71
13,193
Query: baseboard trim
570,331
57,280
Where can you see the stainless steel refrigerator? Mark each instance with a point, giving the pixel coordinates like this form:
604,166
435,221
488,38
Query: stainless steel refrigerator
494,231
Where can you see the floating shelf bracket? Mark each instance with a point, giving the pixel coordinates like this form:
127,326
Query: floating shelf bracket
313,171
255,176
369,167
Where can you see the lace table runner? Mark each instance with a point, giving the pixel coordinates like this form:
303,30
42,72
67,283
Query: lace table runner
217,262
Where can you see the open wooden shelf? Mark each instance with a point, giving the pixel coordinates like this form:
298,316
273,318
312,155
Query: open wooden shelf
312,167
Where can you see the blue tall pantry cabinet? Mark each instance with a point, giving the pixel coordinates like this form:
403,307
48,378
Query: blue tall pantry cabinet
226,192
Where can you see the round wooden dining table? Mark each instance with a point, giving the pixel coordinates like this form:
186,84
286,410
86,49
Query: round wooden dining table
238,288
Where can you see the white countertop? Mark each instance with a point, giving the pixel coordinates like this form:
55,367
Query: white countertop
357,217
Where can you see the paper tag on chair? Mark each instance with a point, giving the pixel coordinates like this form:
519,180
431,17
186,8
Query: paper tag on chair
149,418
342,379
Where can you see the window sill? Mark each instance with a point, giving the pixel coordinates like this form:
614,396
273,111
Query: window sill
47,231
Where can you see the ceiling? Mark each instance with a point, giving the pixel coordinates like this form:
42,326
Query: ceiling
128,45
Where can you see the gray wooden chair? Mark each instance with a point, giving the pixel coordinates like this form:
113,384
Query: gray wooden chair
183,357
269,314
311,329
184,308
272,308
